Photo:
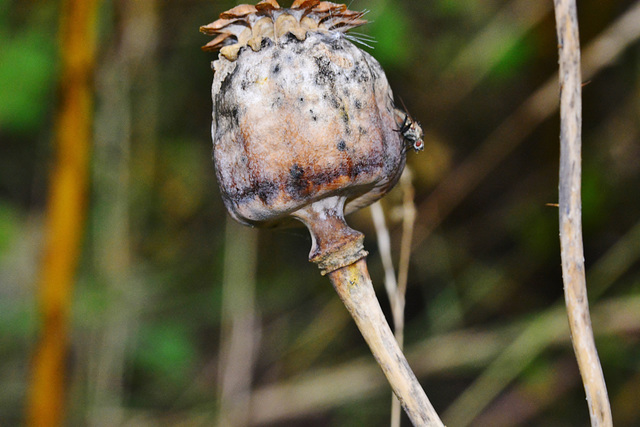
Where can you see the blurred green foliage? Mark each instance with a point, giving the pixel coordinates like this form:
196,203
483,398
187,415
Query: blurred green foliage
28,63
167,351
8,226
388,28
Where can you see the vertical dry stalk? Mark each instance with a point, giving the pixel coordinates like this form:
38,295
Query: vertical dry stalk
65,213
396,298
408,221
239,333
125,63
572,253
396,289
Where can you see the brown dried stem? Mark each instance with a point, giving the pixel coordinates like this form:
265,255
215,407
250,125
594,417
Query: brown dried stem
573,273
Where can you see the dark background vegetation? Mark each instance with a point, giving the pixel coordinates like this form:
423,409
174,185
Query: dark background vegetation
485,267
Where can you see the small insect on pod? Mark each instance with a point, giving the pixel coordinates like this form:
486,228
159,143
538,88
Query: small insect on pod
304,127
411,131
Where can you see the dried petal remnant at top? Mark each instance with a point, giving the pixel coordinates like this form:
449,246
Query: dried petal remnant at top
248,25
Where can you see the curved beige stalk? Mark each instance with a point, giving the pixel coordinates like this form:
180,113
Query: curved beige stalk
572,253
353,285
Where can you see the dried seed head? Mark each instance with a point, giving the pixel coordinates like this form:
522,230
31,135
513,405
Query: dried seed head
303,120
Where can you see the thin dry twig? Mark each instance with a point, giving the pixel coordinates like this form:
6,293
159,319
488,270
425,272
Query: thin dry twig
391,286
396,289
384,246
112,255
114,183
570,207
408,221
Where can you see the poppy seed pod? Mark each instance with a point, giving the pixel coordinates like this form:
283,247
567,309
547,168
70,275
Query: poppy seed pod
304,127
298,121
303,120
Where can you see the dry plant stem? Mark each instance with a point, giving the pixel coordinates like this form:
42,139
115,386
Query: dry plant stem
572,253
111,252
396,289
338,251
66,208
353,285
408,222
384,246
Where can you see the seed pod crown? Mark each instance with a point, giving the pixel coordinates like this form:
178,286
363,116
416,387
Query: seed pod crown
249,25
